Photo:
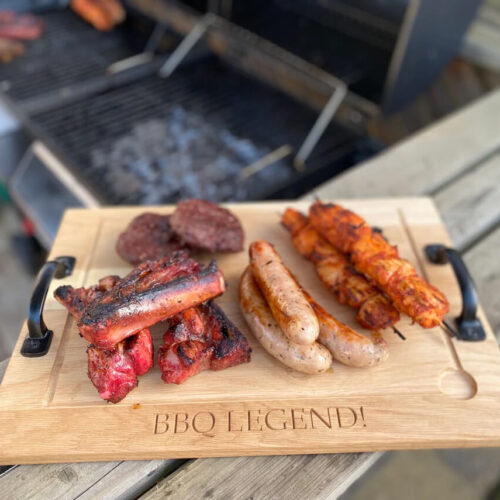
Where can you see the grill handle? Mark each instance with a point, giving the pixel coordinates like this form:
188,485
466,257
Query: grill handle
39,337
468,325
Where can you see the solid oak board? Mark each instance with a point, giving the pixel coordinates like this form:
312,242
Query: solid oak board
421,397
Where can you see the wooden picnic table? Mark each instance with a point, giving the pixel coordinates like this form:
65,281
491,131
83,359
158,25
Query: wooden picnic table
456,162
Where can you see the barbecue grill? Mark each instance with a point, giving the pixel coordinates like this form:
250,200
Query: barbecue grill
195,134
219,102
386,51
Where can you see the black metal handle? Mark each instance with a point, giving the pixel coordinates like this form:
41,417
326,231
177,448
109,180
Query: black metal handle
39,337
469,326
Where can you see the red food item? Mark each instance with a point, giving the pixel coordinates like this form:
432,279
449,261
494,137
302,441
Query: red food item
149,236
111,372
93,12
375,312
183,360
20,26
187,325
205,225
188,348
153,291
77,299
143,299
230,346
114,373
380,262
101,14
139,349
7,16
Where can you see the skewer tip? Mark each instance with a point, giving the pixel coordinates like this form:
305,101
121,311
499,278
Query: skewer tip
398,333
447,328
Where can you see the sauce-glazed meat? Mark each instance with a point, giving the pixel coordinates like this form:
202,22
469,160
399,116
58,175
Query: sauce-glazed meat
139,349
199,339
114,373
111,372
380,262
148,237
101,14
375,311
151,292
20,26
115,314
205,225
143,299
77,299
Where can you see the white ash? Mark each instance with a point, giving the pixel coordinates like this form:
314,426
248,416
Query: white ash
182,156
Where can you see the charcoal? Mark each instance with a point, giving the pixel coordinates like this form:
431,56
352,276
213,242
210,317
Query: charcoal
182,156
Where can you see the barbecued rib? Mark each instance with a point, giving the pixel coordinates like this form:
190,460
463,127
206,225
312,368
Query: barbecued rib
143,277
77,299
230,346
199,339
152,273
114,373
124,311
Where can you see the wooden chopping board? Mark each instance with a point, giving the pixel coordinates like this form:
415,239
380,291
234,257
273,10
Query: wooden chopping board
432,392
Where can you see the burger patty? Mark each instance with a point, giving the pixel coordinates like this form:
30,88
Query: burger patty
148,237
204,225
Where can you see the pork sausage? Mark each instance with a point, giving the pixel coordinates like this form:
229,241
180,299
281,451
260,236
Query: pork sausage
346,345
284,296
312,359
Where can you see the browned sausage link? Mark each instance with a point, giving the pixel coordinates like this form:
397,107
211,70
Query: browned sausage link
283,294
345,344
312,359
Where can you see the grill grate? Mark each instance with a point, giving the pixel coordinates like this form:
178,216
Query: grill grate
69,52
155,140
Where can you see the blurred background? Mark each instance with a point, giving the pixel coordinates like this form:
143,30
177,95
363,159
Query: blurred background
148,101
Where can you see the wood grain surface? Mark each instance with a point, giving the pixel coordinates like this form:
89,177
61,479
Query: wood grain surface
261,407
470,206
264,477
425,162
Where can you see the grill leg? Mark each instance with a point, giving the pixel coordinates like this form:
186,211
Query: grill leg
319,126
155,37
190,40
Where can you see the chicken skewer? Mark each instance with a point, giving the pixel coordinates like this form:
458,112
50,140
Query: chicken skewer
380,262
375,312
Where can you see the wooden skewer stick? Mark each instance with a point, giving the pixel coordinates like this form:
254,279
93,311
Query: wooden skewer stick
398,333
448,329
265,161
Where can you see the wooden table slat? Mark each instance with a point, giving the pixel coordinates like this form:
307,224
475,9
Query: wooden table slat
484,265
427,161
470,206
130,479
290,477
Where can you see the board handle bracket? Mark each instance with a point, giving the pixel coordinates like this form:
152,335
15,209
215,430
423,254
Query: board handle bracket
39,337
469,326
